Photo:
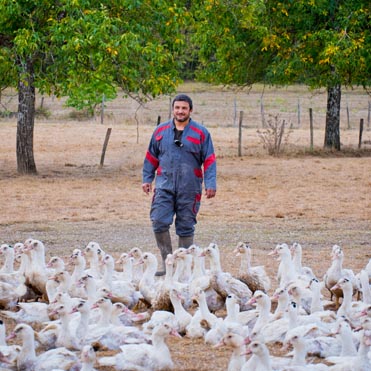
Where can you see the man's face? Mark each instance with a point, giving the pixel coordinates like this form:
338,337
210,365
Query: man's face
181,111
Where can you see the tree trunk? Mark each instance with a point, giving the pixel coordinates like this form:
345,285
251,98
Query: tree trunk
26,118
332,133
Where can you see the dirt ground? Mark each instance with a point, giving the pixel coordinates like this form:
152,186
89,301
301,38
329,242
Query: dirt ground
314,197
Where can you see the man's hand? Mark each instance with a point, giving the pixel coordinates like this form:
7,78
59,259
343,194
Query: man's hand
210,193
147,188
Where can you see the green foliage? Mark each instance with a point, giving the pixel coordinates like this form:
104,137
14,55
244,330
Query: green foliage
319,43
85,48
229,35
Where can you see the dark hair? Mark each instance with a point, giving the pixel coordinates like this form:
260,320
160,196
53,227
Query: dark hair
183,98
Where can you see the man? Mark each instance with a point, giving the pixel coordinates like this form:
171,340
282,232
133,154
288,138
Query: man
178,150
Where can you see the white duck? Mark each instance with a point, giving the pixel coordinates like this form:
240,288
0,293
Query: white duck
92,253
201,278
323,346
260,359
159,317
148,285
302,296
112,335
28,312
10,293
121,291
89,283
155,356
136,253
297,253
237,343
56,264
183,262
161,300
202,320
66,332
63,283
255,277
365,286
359,362
125,261
263,304
58,358
8,351
88,358
78,262
351,310
231,323
183,318
282,297
8,253
37,273
223,282
204,310
286,272
297,338
335,272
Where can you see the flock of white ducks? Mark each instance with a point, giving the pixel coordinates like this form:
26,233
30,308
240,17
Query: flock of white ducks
63,310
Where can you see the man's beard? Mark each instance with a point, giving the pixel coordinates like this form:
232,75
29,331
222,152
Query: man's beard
182,119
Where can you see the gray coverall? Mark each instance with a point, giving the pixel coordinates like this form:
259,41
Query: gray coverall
179,175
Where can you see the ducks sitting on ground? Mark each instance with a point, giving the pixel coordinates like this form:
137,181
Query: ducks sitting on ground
155,356
58,358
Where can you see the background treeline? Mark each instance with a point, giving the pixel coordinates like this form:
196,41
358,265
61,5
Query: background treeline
87,49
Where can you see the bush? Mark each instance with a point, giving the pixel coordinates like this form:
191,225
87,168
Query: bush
274,137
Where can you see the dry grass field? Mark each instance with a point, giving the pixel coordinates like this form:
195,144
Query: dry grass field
318,198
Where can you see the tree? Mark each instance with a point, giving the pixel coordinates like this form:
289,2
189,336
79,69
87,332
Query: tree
83,49
229,35
320,43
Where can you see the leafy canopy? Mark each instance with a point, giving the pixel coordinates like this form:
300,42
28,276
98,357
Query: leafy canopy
317,42
85,48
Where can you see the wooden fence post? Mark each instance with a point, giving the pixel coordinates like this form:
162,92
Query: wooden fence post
108,133
311,128
240,134
348,116
360,133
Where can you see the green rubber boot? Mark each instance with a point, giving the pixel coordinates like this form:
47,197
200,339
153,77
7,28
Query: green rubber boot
163,241
185,241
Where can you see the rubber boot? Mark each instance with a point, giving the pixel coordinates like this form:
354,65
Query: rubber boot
185,241
163,241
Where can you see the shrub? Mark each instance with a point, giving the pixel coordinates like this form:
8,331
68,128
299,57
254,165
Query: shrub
274,137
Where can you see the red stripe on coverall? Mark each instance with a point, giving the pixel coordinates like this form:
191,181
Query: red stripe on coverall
197,199
194,140
153,160
198,173
209,161
161,129
199,132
